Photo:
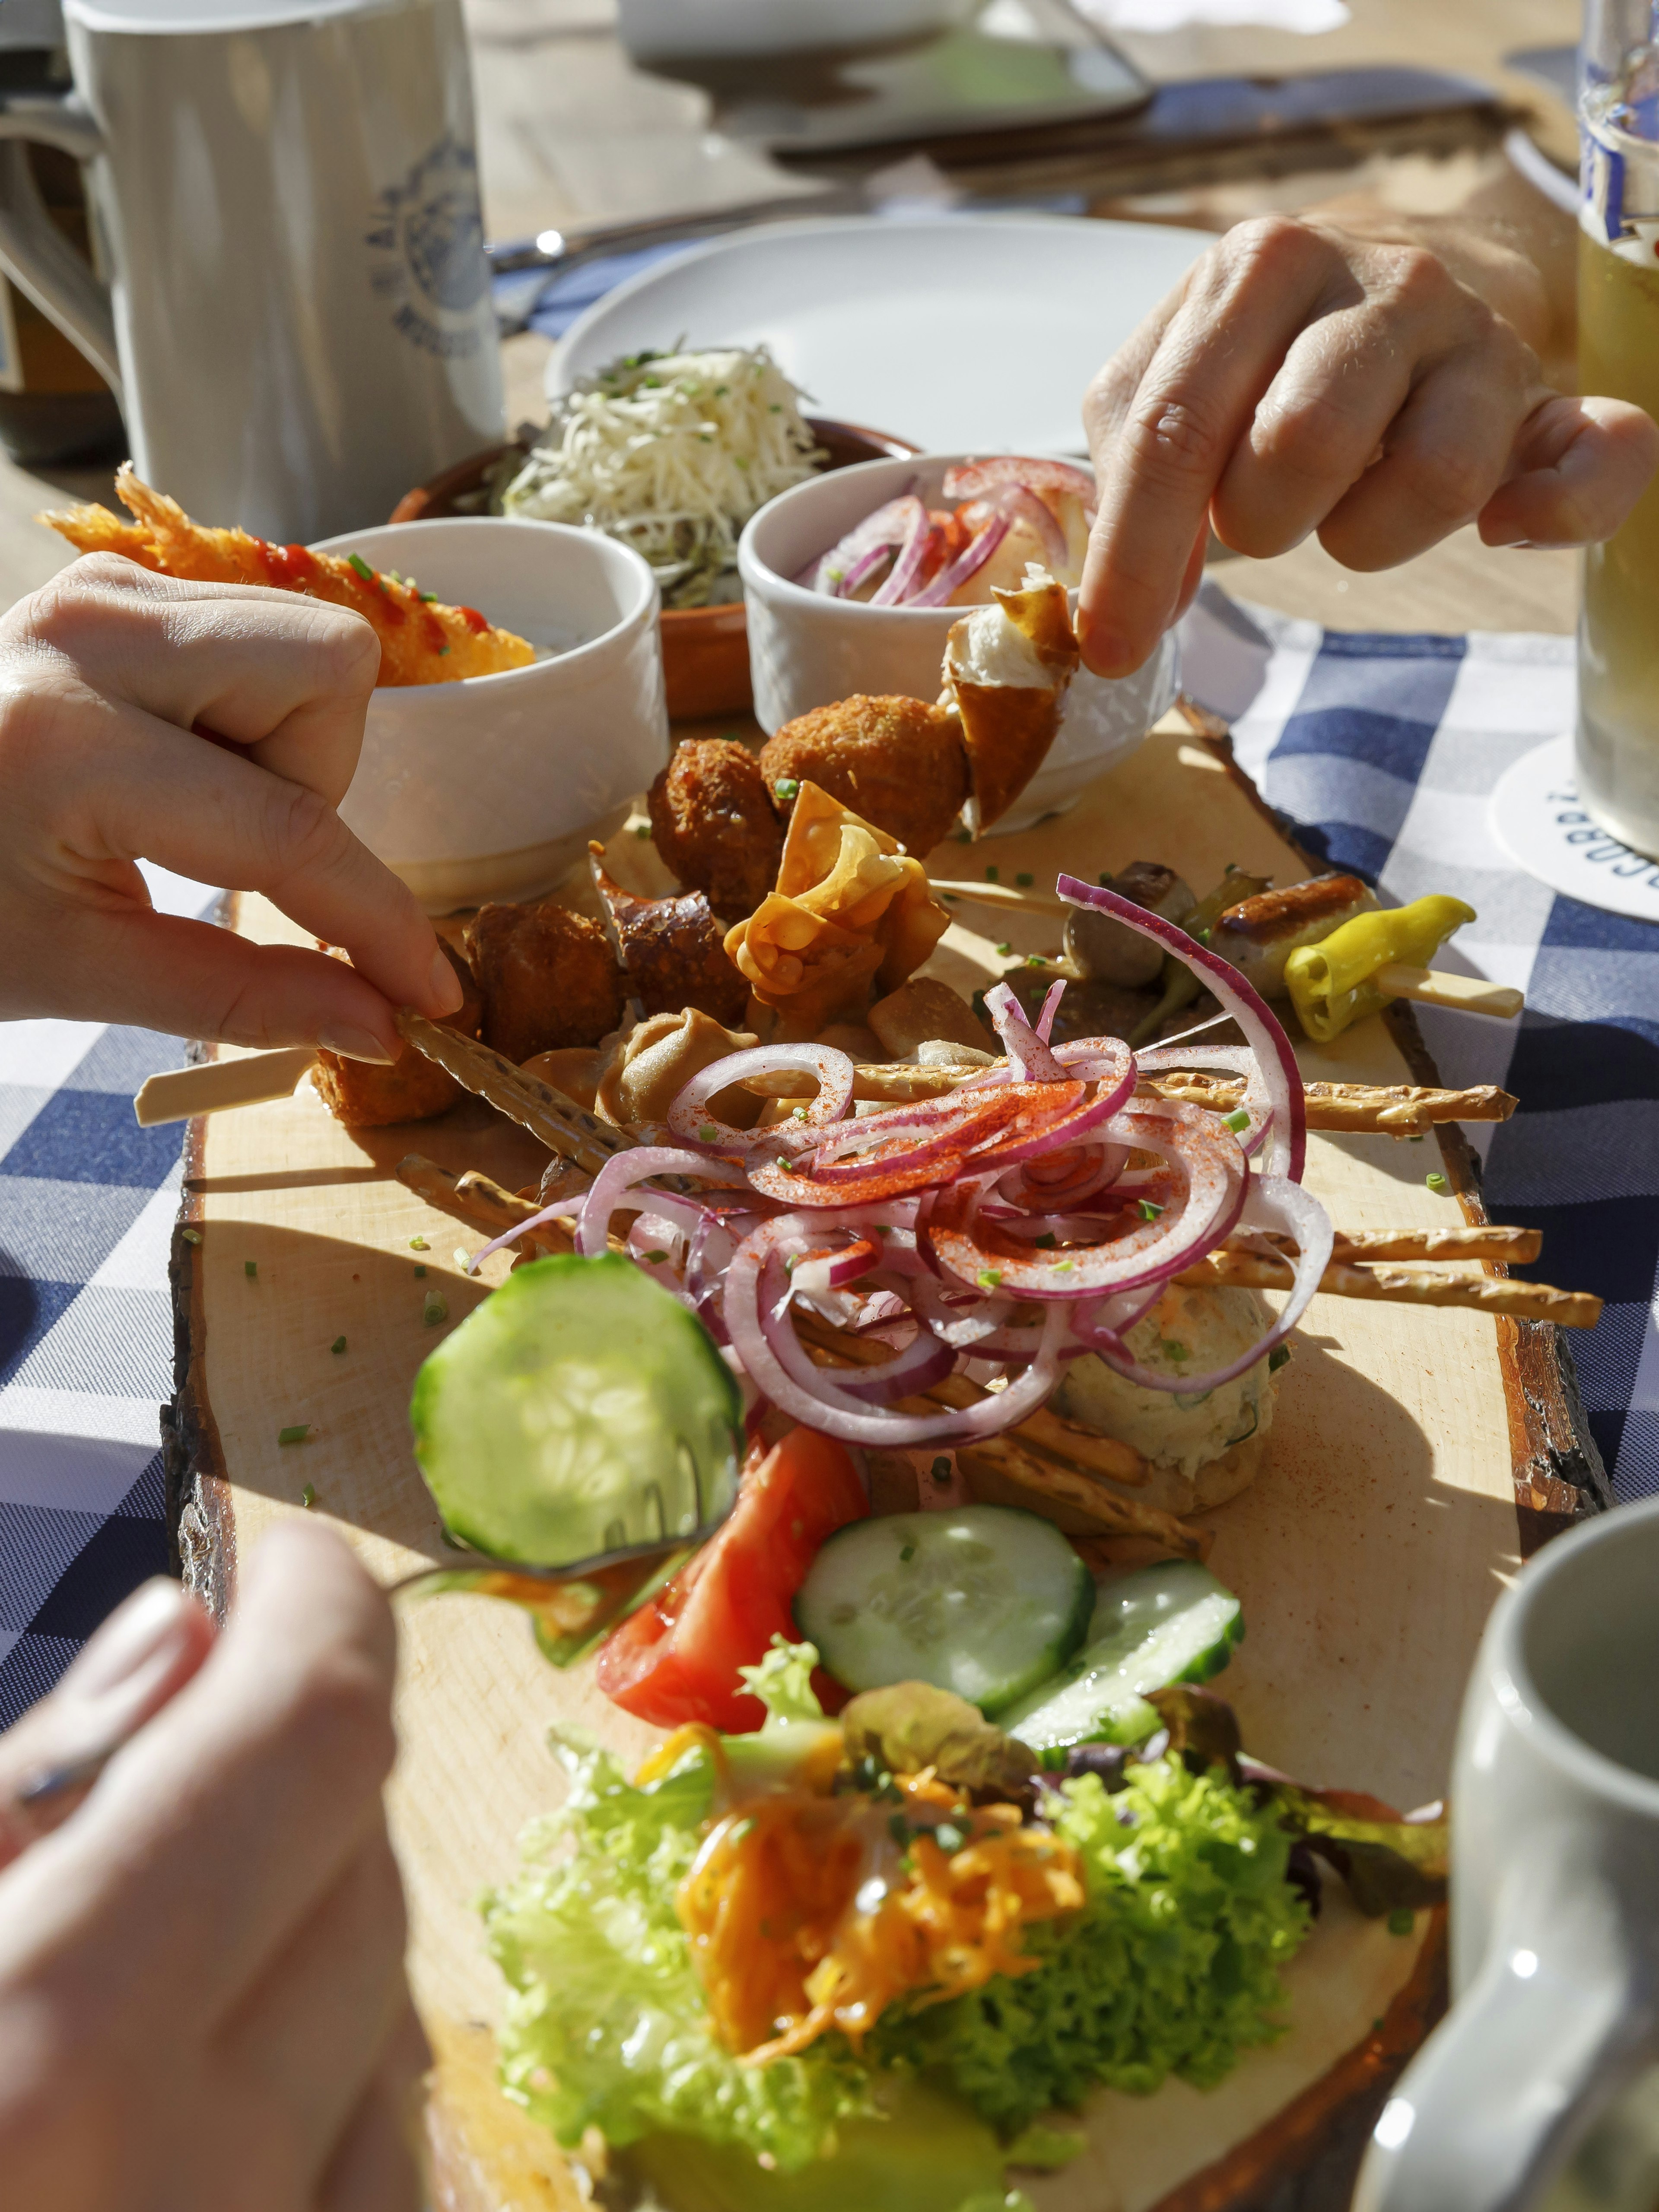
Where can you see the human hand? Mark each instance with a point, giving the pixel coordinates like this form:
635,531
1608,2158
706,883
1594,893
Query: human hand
202,1995
1303,378
108,676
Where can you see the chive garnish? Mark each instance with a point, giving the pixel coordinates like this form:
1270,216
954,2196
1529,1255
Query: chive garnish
296,1435
433,1311
1237,1122
338,1345
190,1236
308,1497
1435,1181
358,561
249,1269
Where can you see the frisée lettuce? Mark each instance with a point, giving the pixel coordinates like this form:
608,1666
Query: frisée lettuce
1172,1964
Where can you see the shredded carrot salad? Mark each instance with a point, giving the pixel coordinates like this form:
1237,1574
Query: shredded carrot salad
809,1912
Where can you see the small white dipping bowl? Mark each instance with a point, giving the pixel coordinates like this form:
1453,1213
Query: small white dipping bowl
490,788
806,649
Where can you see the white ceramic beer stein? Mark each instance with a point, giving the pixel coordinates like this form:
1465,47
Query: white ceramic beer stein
297,320
1539,2089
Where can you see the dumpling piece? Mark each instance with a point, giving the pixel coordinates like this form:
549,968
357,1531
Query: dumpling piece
1007,668
851,914
659,1057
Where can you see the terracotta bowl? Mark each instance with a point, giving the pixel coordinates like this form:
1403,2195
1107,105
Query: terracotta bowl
705,650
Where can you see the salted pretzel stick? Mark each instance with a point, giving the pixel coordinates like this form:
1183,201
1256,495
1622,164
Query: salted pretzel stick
1399,1109
478,1200
1393,1286
1517,1247
562,1125
1396,1110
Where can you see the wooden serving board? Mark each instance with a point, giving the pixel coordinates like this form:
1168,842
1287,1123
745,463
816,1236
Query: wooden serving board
1416,1455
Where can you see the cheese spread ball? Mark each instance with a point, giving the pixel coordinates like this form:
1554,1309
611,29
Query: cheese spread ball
1198,1447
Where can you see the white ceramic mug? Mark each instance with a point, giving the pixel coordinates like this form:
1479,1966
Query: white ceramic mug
1523,2097
284,193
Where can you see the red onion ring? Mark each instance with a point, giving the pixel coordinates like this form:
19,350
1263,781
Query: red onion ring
1045,1021
1273,1202
1204,1165
620,1174
1262,1031
969,562
1237,1059
878,533
560,1209
780,1370
919,530
1028,1053
688,1114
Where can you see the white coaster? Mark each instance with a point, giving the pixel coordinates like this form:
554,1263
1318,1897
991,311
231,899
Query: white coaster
1536,818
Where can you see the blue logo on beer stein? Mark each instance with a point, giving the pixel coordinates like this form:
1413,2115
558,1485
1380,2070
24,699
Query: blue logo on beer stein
429,229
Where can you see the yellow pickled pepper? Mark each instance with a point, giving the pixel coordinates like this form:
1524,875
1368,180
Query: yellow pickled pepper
1331,983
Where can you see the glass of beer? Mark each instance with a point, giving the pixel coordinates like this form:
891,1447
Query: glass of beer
1618,741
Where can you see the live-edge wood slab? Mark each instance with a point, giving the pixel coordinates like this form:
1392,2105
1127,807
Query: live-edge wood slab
1367,1555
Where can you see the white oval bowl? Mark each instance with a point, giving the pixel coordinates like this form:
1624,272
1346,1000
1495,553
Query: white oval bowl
806,650
489,788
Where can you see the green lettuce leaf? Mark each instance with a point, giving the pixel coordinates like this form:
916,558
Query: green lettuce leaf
1173,1966
783,1681
605,2022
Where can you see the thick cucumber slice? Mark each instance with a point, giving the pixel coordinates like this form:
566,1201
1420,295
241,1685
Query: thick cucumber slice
985,1600
1173,1623
579,1409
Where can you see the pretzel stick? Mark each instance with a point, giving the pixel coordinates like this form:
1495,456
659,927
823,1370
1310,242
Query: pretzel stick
562,1125
476,1199
1523,1301
1018,897
1518,1247
1398,1110
1003,1454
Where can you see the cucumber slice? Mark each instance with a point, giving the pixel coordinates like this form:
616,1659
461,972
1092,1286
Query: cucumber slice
1172,1623
580,1408
985,1600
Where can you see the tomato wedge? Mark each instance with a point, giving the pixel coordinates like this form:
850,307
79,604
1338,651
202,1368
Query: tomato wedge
677,1659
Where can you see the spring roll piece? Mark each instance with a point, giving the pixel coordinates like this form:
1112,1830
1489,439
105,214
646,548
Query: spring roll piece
1259,934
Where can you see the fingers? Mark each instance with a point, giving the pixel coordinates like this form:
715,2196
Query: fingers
1446,454
1163,428
101,795
286,677
1577,469
375,2168
312,2035
143,1654
221,1828
191,979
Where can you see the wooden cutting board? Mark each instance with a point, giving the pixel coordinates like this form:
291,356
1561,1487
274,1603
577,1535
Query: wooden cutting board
1416,1455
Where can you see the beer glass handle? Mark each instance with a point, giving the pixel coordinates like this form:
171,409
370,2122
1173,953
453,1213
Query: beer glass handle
1557,2017
36,256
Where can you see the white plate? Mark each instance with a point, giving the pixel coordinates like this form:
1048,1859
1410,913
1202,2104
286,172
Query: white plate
965,334
1537,817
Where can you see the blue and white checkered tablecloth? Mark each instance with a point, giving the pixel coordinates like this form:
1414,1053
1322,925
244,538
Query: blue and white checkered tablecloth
1381,749
87,1202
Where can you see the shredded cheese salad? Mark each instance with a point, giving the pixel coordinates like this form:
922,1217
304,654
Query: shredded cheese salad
671,453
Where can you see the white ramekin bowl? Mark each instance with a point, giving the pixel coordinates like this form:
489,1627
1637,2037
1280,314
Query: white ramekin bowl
806,650
490,788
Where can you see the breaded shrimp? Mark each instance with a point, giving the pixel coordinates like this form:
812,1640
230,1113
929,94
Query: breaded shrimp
421,641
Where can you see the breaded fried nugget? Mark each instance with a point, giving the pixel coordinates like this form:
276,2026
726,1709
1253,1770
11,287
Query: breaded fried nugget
413,1088
898,763
714,823
548,976
422,640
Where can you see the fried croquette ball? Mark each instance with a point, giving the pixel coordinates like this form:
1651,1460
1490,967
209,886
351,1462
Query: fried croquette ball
714,823
548,977
366,1096
898,763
